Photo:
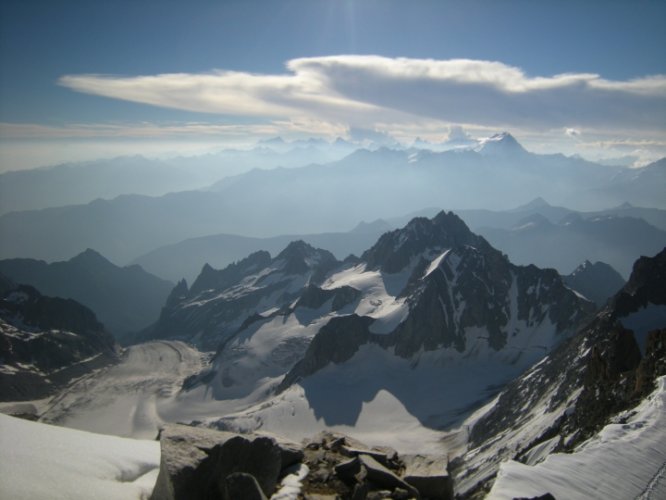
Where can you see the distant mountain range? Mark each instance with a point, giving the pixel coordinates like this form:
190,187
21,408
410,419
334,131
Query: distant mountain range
185,259
617,241
365,185
76,183
124,299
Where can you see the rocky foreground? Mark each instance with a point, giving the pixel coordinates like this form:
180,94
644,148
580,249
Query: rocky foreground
199,463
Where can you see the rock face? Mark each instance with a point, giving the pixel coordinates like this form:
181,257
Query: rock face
45,342
429,475
576,390
220,302
125,299
454,283
598,282
201,463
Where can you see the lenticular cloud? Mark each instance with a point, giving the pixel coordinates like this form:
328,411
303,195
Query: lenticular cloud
365,90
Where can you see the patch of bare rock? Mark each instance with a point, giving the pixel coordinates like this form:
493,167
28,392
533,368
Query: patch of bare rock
201,463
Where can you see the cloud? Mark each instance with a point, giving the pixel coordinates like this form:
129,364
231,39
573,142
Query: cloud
364,91
29,131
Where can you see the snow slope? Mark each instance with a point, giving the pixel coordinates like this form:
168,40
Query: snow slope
41,461
128,399
625,460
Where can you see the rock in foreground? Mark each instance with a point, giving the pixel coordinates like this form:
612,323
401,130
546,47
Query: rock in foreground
199,463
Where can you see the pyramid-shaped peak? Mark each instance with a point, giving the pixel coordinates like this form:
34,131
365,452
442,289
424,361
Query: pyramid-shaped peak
299,257
395,249
298,248
536,203
500,144
90,257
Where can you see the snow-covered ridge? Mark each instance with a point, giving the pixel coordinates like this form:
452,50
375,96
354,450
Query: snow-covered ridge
625,460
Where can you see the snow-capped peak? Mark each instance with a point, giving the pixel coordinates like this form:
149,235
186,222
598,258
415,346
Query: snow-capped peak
500,144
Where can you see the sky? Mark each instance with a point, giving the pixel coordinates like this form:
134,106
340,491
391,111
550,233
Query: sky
81,79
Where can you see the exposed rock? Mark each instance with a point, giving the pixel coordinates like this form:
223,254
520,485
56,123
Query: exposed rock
429,475
196,463
222,302
45,342
365,467
597,282
336,342
578,389
394,250
241,485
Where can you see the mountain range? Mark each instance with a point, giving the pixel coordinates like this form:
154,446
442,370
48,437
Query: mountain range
431,340
46,342
364,185
76,183
427,302
499,346
125,299
591,381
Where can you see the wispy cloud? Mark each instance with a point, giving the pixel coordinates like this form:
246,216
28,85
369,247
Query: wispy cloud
166,131
363,91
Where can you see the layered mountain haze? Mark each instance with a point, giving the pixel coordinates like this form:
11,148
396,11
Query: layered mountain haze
125,299
332,250
381,183
76,183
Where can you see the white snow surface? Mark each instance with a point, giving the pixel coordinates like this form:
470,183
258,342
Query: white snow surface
132,398
383,399
379,294
624,461
40,461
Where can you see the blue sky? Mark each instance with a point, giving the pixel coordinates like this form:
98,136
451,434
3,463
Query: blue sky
80,74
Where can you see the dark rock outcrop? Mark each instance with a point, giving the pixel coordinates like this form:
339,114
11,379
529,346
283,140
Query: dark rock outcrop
200,463
598,282
581,385
221,302
47,341
429,475
463,284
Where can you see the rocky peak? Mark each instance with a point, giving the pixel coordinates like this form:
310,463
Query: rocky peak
597,282
210,278
178,293
645,285
90,258
395,249
300,257
38,311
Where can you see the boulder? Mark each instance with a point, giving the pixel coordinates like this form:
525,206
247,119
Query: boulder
364,467
196,462
242,485
429,475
